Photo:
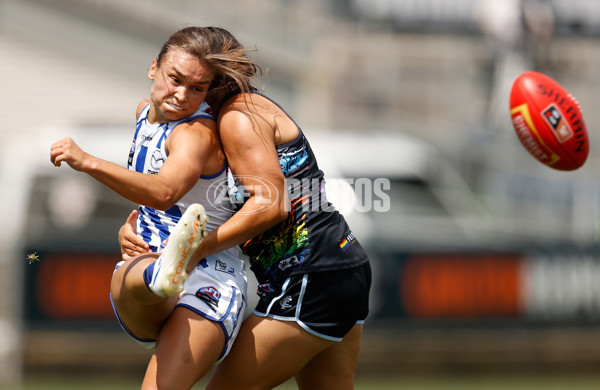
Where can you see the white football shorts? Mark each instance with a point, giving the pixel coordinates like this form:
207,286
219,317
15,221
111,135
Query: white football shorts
216,290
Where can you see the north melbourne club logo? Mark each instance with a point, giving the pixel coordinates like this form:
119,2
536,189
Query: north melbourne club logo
157,159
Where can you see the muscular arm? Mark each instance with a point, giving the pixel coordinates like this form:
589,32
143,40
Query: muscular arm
188,149
250,146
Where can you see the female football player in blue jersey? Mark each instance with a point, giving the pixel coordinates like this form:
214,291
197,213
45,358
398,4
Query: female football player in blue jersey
176,157
314,277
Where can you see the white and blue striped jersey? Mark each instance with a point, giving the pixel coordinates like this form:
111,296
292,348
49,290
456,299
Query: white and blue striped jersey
147,154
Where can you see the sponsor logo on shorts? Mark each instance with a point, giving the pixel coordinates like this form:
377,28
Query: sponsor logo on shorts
264,289
210,295
221,266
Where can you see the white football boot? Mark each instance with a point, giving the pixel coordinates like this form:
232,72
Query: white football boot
170,267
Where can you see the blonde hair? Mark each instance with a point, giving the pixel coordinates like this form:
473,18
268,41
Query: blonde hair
219,50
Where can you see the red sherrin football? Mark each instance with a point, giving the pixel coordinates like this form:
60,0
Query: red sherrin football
548,121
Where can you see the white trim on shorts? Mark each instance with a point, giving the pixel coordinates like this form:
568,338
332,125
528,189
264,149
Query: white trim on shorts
146,343
296,317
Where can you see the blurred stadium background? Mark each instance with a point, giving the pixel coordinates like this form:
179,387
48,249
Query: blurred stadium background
486,263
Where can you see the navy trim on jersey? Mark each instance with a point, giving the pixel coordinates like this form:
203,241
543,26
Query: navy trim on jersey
191,118
208,177
141,158
164,136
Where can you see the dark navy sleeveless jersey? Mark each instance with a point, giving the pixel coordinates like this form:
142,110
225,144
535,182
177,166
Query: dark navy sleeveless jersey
315,236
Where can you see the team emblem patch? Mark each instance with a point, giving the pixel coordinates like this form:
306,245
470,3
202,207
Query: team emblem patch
286,302
157,159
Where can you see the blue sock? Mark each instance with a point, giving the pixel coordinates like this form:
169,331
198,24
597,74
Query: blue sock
148,272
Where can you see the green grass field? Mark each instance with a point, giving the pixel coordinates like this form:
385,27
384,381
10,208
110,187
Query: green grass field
413,359
552,381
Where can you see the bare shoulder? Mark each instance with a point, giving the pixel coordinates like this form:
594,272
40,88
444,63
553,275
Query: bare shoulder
197,140
141,106
249,103
252,112
199,128
247,111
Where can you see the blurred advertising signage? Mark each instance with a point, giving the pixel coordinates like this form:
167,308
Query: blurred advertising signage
69,286
538,287
461,286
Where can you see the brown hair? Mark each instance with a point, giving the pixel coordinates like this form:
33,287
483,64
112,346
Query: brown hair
217,48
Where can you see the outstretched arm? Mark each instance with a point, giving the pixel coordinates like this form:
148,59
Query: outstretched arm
188,149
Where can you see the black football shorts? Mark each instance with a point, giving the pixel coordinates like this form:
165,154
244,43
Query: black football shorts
326,303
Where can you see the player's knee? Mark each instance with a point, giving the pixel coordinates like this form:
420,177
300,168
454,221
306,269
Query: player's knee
168,383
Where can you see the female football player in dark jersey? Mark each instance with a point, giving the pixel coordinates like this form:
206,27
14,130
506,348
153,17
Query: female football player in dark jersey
314,277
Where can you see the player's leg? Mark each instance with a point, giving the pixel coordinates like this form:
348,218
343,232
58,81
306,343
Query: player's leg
333,368
266,353
139,287
314,312
334,303
187,348
189,344
139,310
